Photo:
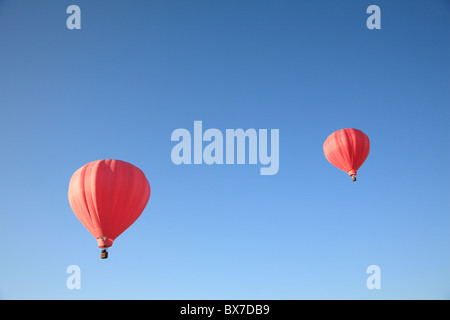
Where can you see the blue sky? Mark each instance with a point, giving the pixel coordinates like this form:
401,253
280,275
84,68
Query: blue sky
137,70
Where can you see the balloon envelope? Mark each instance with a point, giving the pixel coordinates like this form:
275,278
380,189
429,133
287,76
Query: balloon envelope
347,149
108,196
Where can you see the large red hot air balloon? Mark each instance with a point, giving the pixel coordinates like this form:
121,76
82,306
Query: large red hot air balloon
108,196
347,149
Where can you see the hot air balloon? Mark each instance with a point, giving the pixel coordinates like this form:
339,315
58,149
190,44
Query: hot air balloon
108,196
347,149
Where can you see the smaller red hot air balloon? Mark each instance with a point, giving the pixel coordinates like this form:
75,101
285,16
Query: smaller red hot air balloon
347,149
108,196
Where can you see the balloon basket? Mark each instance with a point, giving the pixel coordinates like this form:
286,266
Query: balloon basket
104,254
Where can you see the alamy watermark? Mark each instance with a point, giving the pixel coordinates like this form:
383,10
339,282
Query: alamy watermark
74,280
234,148
374,280
374,20
73,22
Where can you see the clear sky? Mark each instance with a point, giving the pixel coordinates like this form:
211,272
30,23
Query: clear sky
138,70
